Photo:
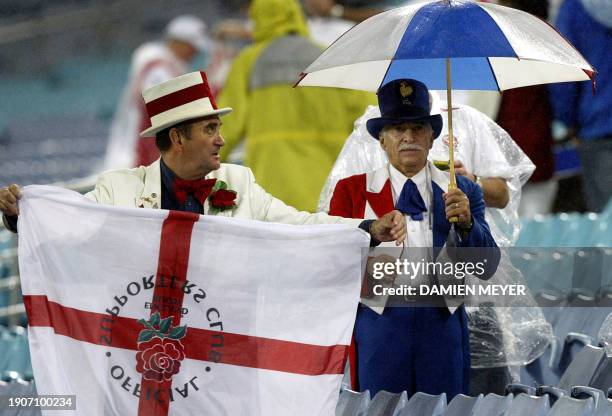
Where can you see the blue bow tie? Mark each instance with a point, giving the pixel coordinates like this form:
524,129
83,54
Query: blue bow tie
410,201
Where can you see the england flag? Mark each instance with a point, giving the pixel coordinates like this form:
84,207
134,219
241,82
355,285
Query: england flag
155,312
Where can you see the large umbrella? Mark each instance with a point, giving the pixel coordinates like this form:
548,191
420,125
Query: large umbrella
449,44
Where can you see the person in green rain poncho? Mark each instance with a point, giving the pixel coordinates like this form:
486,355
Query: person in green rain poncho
293,135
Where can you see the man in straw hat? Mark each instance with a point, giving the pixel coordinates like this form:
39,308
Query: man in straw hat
189,176
423,348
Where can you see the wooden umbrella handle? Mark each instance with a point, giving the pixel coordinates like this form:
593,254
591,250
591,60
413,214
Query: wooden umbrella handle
451,138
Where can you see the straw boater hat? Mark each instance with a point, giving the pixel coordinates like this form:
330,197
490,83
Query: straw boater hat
179,99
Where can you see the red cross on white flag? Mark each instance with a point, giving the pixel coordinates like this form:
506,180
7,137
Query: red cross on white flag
153,312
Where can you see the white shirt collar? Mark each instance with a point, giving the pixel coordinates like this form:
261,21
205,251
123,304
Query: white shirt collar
398,179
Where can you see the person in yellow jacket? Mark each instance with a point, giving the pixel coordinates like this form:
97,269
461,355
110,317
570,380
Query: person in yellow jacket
293,135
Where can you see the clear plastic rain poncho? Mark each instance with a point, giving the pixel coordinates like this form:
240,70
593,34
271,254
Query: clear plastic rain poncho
508,336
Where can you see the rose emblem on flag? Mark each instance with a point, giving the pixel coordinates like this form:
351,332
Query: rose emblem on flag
160,350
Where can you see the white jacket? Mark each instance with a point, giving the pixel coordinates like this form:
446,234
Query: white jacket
141,187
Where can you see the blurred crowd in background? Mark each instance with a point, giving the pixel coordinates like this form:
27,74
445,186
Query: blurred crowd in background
73,71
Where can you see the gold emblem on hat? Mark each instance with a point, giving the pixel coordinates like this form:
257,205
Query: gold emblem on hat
405,89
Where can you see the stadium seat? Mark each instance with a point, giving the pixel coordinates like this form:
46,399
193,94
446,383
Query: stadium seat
553,393
492,405
421,404
17,387
588,267
352,403
606,276
602,379
530,232
516,389
6,239
14,351
11,377
568,406
571,346
552,304
602,407
545,269
524,404
462,405
577,326
575,230
386,403
45,150
541,371
5,348
601,235
583,368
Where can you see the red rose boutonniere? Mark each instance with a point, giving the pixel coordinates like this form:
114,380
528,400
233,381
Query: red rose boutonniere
221,198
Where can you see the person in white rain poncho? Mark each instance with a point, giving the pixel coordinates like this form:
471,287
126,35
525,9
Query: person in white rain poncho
152,64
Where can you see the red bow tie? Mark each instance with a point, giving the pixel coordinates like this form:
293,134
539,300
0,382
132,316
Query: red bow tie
199,188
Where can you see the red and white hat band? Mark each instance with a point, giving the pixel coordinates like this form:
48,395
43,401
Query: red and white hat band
178,99
181,96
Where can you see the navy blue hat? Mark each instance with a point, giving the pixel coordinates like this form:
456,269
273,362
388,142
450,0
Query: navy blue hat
403,100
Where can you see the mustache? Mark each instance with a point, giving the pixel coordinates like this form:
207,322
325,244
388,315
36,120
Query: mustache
410,146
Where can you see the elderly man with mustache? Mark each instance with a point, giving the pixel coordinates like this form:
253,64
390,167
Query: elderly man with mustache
422,348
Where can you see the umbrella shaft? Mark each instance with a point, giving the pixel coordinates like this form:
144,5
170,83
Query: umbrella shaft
451,137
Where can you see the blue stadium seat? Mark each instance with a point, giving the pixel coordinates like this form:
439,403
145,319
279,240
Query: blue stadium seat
599,233
352,403
602,379
14,351
568,406
583,368
553,393
606,275
492,405
608,209
545,269
54,148
13,386
462,405
577,230
539,232
424,404
524,404
515,389
540,371
602,407
588,268
386,403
